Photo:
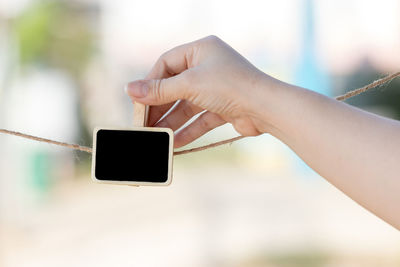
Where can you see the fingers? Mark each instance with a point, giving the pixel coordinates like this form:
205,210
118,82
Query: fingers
159,91
169,64
172,62
181,113
203,124
156,112
167,81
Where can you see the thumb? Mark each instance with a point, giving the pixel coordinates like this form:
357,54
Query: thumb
157,91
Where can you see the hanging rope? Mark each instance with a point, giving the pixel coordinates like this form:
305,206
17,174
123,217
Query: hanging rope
343,97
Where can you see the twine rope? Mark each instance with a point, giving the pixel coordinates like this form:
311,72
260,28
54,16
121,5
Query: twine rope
343,97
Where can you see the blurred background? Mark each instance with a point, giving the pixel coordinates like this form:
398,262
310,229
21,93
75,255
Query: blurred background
63,66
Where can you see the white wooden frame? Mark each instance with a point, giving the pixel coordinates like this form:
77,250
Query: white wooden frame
142,129
139,122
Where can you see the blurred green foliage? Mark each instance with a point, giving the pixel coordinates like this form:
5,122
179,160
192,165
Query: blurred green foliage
33,31
55,34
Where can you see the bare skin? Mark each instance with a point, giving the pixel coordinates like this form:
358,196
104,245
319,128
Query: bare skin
356,151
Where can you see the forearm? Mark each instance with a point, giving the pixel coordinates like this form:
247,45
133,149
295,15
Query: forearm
356,151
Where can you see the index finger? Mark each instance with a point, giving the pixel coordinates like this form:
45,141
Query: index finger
169,64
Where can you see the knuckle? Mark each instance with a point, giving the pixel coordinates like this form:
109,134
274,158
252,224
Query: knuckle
157,90
213,39
209,40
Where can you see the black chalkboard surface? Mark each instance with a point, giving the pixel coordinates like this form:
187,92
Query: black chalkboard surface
140,156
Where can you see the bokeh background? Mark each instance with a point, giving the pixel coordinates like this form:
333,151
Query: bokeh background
63,66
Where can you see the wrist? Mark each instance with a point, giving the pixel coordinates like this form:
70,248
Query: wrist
267,103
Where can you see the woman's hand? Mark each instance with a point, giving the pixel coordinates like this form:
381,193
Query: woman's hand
357,151
206,75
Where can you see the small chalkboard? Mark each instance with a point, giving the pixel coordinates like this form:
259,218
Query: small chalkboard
136,156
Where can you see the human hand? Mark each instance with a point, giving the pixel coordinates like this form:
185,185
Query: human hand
205,75
356,151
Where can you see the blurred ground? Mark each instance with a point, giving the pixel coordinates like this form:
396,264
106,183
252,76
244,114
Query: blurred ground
209,216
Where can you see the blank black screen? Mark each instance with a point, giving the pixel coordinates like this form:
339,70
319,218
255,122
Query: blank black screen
124,155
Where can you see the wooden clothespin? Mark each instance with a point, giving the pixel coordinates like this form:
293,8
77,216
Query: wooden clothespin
136,156
140,114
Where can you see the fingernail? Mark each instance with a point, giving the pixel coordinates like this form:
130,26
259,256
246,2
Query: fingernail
137,89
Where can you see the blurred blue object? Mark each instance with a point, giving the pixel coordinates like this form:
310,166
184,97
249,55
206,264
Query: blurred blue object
309,73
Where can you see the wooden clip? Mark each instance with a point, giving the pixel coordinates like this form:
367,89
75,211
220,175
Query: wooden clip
140,114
